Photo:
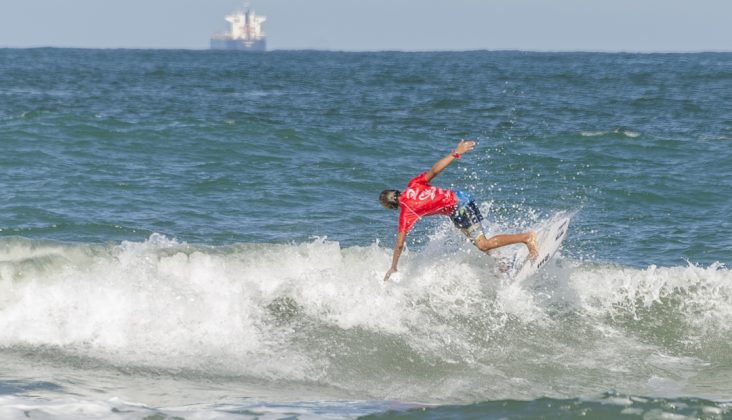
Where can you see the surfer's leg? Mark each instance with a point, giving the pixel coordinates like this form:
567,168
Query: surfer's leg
497,241
468,219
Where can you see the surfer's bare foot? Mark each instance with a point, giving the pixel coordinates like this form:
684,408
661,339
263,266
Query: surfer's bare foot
531,244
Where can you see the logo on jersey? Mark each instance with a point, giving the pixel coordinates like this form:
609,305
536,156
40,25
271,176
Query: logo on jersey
426,194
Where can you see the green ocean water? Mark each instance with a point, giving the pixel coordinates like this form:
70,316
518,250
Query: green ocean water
197,233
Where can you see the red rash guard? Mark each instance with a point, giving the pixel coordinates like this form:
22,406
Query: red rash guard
422,199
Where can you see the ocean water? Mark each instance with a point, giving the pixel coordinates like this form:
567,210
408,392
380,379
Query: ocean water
196,234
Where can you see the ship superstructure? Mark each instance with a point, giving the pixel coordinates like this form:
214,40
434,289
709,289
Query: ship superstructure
245,33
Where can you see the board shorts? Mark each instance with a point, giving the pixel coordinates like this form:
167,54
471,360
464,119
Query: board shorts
467,217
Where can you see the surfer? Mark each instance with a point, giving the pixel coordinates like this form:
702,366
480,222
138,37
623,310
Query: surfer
422,199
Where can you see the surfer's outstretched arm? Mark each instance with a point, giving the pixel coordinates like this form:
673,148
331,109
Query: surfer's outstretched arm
398,247
462,147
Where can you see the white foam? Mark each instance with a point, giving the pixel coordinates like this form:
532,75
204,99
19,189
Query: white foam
18,407
626,133
311,311
703,294
168,304
14,407
593,133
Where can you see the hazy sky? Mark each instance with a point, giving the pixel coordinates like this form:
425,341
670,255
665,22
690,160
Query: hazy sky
588,25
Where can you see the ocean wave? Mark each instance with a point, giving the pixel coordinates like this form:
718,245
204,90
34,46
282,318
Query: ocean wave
608,405
73,407
451,329
616,132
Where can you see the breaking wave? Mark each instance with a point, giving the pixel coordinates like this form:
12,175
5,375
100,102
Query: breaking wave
450,329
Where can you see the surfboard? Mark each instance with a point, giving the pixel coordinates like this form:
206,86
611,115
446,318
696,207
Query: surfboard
549,237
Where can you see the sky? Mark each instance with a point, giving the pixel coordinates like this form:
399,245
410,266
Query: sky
358,25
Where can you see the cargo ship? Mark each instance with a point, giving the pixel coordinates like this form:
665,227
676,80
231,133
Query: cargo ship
245,33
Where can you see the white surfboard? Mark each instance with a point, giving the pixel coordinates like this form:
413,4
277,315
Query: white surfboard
549,237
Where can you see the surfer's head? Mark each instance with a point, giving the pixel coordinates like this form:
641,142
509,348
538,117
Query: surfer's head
389,199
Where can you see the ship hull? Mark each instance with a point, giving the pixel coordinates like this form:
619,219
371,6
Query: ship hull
239,44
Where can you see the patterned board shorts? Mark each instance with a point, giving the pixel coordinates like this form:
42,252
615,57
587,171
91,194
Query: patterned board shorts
467,217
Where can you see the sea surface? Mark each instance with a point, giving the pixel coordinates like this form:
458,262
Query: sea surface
196,234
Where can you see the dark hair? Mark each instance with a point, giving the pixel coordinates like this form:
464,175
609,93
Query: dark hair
390,199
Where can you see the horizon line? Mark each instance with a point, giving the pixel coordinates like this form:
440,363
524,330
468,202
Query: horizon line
548,51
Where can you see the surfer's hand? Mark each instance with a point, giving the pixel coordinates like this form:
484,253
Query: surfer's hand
389,273
464,146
